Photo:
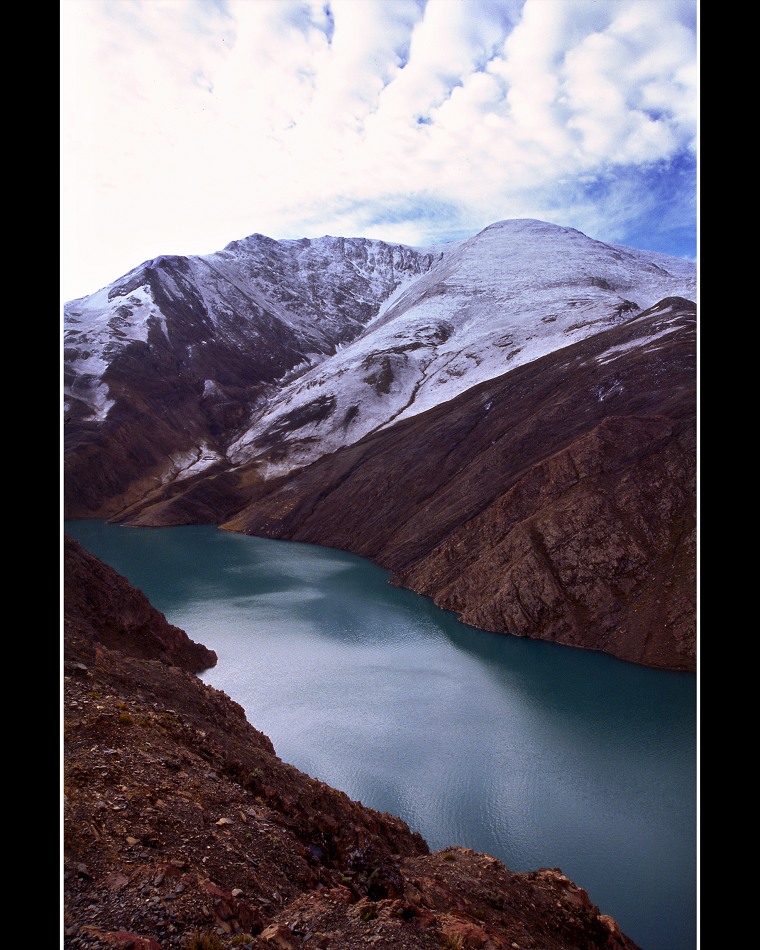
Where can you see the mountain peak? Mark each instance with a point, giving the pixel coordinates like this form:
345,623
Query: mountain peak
516,225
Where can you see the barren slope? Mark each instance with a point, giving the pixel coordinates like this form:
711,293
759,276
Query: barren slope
181,823
558,502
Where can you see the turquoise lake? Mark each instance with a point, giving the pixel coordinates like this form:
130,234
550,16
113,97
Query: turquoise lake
541,755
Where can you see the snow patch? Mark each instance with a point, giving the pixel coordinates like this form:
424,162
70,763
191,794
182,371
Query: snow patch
96,329
614,352
184,464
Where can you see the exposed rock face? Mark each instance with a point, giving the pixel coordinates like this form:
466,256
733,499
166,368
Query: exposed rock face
182,828
558,502
100,606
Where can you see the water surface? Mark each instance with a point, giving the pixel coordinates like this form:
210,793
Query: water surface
540,755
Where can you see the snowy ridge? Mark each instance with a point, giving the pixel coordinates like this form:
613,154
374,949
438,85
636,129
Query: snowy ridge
96,329
301,285
297,348
516,291
295,299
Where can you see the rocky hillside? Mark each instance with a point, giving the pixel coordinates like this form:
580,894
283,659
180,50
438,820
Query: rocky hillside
182,828
557,501
125,620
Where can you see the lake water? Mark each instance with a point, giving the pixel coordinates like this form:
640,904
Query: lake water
540,755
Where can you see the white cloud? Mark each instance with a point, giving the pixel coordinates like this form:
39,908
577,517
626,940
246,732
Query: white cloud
189,123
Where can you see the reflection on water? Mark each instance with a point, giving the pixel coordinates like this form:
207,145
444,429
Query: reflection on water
538,754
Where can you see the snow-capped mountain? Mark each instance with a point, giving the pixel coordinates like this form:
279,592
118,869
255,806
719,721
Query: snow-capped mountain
301,296
516,291
281,351
507,424
163,367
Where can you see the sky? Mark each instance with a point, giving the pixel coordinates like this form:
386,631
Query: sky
187,124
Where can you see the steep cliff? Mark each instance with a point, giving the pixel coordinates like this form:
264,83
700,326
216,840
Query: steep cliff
182,828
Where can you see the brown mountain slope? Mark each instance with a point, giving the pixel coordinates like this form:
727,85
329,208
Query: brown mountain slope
556,502
182,828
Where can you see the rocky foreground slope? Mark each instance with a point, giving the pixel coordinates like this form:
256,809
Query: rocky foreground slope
182,828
